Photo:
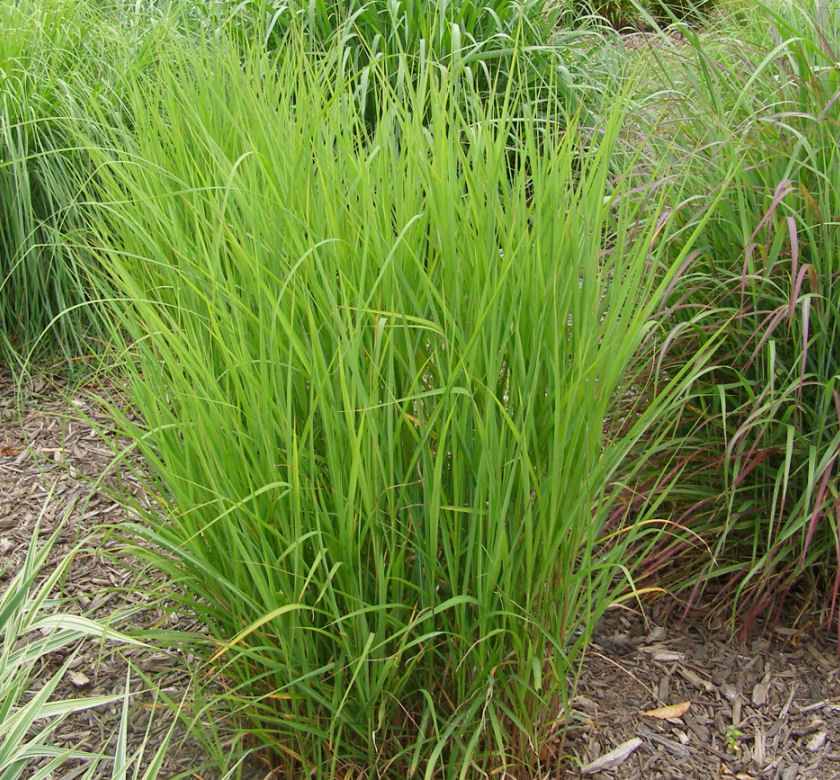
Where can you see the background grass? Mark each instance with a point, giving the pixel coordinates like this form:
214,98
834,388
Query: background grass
56,58
757,444
40,47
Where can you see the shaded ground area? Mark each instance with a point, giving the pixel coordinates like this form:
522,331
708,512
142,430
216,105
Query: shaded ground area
769,708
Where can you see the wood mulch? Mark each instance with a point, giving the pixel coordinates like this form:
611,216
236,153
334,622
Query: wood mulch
765,708
768,707
52,462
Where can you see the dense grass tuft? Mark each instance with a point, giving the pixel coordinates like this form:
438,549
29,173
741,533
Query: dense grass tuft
373,377
439,335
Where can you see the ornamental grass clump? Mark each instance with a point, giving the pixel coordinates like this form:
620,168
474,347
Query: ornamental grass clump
57,58
372,369
480,42
755,455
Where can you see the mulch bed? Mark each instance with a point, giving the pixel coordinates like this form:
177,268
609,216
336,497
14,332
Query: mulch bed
766,708
52,462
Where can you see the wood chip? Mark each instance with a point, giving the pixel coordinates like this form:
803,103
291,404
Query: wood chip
670,711
613,758
656,634
816,742
681,751
696,679
668,656
727,774
784,713
759,694
736,712
821,659
814,707
813,726
729,691
78,679
759,746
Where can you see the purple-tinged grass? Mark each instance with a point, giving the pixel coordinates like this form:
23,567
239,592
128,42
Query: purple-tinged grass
753,457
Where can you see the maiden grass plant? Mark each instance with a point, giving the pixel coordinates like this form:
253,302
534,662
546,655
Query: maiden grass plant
373,369
45,51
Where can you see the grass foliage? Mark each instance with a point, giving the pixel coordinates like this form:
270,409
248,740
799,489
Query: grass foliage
442,336
386,368
757,446
32,630
630,15
481,43
56,57
45,47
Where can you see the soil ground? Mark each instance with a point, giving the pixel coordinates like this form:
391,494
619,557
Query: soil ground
768,707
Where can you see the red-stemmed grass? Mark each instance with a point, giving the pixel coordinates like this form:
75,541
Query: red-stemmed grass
751,465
